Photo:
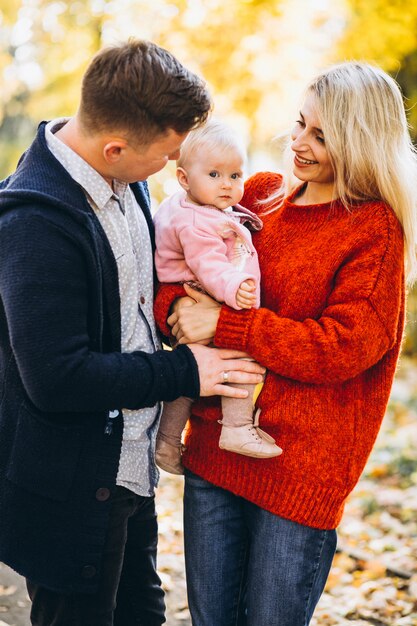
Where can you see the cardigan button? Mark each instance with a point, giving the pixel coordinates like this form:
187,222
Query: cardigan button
142,299
88,571
102,494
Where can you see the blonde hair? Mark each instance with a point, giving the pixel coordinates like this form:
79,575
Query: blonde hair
364,123
213,135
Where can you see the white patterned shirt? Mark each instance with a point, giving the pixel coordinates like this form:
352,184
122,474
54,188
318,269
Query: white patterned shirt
128,234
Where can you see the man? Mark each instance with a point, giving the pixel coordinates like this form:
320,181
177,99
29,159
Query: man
81,369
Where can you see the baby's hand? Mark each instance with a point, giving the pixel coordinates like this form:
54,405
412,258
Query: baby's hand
246,296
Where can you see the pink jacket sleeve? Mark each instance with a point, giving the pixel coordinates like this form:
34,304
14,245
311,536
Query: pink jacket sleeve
205,253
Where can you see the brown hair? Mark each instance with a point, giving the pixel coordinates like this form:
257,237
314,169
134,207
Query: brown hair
143,90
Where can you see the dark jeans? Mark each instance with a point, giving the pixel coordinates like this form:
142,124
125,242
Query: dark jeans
246,566
129,591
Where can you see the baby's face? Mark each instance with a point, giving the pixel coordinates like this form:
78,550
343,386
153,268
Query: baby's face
215,177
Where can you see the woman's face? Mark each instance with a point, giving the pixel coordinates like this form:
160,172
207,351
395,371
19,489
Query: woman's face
311,160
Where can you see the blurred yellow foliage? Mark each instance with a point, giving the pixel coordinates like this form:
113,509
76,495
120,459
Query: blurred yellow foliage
383,31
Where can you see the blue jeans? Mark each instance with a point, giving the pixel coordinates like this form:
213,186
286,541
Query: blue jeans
246,566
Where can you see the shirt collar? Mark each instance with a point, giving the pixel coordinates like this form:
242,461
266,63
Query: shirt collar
84,174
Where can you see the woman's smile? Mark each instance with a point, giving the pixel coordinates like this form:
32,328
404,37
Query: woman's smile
302,162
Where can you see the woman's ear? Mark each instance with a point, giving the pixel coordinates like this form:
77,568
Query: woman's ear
182,177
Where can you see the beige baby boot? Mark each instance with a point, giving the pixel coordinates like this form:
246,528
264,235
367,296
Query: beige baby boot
241,433
168,456
247,441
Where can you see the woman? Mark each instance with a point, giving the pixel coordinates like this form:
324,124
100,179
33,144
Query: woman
260,534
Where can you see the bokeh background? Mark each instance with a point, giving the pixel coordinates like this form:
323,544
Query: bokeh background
257,56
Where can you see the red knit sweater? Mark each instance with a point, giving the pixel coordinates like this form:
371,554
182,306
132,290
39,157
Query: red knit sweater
329,332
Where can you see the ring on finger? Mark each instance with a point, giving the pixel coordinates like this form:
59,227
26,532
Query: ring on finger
225,377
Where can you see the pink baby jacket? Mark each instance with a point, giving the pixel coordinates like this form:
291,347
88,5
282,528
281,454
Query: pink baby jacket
206,245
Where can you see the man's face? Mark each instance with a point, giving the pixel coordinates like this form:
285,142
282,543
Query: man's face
139,162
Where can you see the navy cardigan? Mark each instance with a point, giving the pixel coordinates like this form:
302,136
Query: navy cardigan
62,371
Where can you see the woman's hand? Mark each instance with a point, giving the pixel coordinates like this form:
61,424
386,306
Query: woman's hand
194,318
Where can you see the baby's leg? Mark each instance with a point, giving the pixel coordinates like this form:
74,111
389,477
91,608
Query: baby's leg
168,443
239,433
238,411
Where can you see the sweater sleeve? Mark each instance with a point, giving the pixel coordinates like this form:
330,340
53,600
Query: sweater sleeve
45,292
258,188
165,297
353,332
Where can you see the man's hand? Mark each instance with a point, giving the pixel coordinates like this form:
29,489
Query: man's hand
217,365
245,295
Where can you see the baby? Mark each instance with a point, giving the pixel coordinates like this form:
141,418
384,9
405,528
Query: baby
203,239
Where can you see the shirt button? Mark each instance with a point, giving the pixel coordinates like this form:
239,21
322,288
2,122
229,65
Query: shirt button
102,494
88,571
142,299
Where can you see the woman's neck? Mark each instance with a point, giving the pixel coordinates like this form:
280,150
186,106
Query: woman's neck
313,193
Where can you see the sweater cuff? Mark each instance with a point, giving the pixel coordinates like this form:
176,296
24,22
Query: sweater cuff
175,374
165,297
233,328
188,364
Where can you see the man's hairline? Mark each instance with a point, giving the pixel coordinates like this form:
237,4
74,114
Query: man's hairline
126,134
